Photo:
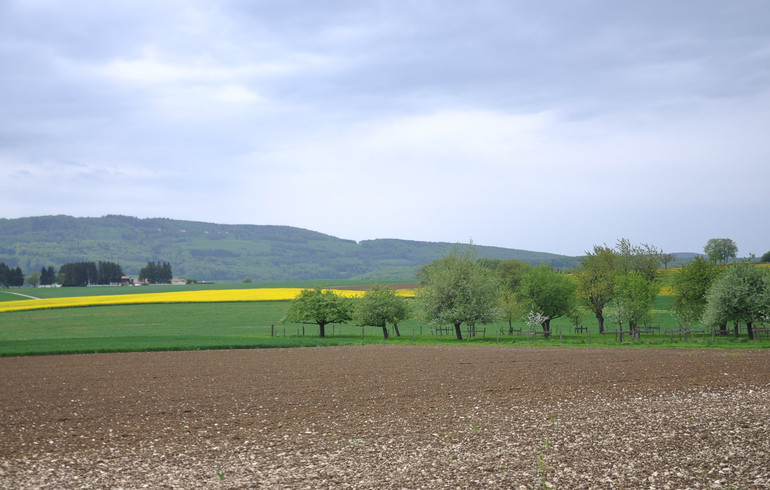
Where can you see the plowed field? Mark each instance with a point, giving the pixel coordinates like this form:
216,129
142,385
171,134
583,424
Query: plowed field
387,417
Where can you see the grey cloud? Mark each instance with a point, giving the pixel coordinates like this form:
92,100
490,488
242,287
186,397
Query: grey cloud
227,97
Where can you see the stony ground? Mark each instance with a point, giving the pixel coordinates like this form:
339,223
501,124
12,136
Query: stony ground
387,417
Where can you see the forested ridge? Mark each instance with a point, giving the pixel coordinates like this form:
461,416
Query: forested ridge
209,251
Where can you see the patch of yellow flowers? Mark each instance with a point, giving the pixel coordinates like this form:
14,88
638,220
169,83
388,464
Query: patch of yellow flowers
214,296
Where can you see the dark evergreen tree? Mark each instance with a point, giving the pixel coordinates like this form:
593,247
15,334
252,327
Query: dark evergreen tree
78,274
47,276
16,279
156,273
166,274
4,275
109,273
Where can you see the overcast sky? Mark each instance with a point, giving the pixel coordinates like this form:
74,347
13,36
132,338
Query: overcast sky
537,125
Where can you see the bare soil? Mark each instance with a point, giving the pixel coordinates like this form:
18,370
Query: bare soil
387,417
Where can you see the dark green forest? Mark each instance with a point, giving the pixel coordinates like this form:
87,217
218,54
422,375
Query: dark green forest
207,251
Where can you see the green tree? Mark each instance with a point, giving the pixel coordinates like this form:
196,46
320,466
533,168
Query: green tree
511,308
109,272
5,275
596,280
156,273
33,279
667,258
77,274
634,297
720,250
458,290
550,293
644,259
47,275
765,258
379,306
691,284
740,294
320,307
11,277
512,273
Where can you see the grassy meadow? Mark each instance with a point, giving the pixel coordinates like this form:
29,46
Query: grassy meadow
250,323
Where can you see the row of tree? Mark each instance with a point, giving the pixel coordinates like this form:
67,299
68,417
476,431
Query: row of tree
461,289
156,273
87,273
11,277
718,295
84,274
379,306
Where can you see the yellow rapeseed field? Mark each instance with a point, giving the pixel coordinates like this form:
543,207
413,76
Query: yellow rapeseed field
216,296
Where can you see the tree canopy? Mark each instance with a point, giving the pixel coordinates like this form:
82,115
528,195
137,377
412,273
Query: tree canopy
11,276
550,293
600,269
691,284
156,273
720,250
596,280
740,294
634,297
379,306
320,307
459,290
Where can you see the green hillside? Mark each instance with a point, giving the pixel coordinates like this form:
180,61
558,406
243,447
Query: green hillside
208,251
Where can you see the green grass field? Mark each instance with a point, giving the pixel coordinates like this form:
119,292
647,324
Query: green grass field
258,325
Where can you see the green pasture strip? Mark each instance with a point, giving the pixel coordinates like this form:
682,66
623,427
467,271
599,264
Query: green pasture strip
193,326
17,294
157,343
185,319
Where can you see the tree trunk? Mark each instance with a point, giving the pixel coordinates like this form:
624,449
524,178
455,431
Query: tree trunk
736,330
750,330
322,331
395,327
600,317
385,331
458,332
510,327
547,328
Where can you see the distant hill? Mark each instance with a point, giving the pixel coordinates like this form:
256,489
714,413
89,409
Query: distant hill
208,251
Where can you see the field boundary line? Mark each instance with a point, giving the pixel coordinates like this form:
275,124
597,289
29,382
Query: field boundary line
20,294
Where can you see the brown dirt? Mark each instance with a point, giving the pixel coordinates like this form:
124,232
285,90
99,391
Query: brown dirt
387,416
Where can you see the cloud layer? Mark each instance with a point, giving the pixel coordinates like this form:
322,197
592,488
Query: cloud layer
538,126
